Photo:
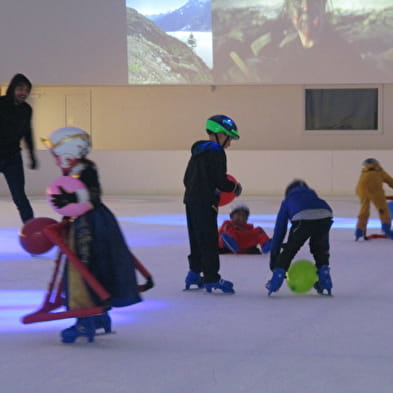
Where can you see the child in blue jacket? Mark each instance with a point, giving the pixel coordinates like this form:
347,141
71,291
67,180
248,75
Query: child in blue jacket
311,219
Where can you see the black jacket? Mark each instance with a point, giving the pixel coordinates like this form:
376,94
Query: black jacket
205,175
15,122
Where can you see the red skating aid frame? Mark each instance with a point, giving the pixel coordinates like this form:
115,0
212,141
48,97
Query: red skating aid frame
376,236
54,298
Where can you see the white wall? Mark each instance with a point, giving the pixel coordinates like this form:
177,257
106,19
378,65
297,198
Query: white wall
331,173
142,137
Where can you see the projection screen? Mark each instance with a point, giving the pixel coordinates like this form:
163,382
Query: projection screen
121,42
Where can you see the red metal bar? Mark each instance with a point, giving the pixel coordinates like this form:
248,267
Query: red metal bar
54,232
42,316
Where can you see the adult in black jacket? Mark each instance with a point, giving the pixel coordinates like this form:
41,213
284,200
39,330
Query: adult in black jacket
204,178
15,125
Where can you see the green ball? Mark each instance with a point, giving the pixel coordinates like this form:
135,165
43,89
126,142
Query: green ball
301,276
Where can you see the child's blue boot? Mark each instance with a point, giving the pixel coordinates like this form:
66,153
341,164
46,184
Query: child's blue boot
387,231
359,233
103,321
266,246
84,327
223,285
230,243
193,278
274,284
324,280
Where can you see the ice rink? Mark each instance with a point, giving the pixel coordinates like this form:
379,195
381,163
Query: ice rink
194,342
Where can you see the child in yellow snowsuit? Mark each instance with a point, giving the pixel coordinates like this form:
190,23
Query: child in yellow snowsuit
370,189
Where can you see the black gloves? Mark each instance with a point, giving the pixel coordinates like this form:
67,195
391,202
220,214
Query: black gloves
238,189
63,199
33,162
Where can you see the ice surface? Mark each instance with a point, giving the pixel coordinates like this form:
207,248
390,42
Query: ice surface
194,342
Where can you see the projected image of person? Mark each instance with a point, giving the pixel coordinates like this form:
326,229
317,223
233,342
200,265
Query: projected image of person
317,50
302,41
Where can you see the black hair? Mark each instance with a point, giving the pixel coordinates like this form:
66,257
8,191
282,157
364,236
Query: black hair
17,80
293,184
239,208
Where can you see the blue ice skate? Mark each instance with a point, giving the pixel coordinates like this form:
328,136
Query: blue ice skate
103,321
359,233
387,231
274,284
84,327
193,278
230,243
324,281
267,246
223,285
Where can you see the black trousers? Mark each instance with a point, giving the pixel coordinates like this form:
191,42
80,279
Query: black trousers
317,232
13,171
203,236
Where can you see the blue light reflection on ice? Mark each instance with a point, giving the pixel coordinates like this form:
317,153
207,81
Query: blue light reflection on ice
263,220
10,247
14,304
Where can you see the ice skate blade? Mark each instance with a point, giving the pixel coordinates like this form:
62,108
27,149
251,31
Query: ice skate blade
195,289
105,333
218,291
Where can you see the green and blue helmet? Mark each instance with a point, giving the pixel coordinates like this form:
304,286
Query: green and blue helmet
222,123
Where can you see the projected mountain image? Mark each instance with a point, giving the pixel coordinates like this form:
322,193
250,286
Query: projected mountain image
193,16
283,42
171,47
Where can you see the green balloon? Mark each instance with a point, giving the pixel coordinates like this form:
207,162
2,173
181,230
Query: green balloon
301,276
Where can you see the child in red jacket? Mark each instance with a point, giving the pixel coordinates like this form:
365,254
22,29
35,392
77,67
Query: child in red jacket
238,237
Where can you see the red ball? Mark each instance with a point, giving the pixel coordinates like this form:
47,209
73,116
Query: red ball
32,237
227,197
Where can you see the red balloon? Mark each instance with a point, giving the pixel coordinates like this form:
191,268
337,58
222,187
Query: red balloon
227,197
32,237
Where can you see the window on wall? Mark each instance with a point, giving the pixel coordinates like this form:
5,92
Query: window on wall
341,109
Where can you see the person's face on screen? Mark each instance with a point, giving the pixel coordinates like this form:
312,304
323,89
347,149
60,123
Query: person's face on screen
21,93
307,18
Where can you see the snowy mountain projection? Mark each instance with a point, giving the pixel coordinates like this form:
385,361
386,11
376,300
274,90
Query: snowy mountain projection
187,21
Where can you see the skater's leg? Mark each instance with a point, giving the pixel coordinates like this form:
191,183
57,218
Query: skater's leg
363,216
194,258
14,175
319,241
319,247
298,235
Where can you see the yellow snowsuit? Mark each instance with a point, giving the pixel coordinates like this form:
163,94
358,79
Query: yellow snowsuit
370,189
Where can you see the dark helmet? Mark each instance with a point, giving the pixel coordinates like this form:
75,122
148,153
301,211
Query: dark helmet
222,123
239,208
293,184
370,161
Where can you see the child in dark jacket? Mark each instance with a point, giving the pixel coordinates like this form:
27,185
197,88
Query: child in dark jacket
204,179
237,236
311,219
